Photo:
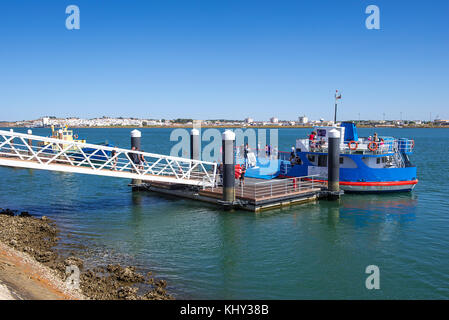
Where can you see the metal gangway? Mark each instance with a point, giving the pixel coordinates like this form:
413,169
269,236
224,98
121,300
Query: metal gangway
36,152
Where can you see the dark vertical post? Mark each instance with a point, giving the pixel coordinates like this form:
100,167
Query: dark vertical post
30,142
333,164
136,136
335,114
228,144
61,137
195,144
11,142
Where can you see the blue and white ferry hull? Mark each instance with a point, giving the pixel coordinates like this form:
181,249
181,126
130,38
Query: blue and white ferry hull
365,165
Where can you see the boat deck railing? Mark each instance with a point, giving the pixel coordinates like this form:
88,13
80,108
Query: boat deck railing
260,190
364,146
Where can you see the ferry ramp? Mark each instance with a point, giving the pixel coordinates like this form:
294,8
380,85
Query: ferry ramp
36,152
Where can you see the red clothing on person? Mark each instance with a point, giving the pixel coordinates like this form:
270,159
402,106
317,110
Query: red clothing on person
238,171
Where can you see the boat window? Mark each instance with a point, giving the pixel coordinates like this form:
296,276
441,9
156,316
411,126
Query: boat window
322,161
384,159
348,163
296,160
341,160
311,158
378,160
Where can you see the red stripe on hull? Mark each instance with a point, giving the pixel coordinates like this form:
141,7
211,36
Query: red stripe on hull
373,183
379,183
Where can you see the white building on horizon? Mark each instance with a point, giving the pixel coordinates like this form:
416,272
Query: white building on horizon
303,120
274,120
45,121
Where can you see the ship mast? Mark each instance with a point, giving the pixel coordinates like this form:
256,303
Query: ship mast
337,96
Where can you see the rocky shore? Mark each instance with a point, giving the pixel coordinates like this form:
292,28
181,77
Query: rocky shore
23,235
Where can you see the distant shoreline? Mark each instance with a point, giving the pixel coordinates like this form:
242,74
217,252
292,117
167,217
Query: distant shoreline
2,125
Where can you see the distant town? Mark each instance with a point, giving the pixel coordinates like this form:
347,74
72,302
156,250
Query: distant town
302,121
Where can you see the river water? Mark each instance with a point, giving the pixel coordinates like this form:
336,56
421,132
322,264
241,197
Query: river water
311,251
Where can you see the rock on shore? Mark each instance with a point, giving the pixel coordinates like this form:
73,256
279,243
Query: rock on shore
38,238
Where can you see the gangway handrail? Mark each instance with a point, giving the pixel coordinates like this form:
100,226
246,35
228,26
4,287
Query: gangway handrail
88,145
51,153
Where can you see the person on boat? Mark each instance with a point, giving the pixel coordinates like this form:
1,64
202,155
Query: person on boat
142,160
321,144
266,150
245,153
312,140
220,172
114,158
242,176
292,154
237,171
135,158
376,138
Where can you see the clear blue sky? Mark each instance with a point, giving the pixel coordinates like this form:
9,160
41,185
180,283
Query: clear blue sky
224,59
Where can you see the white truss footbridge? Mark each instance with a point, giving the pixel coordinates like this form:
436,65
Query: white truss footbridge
36,152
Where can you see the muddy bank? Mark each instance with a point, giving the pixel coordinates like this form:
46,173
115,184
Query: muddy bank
38,237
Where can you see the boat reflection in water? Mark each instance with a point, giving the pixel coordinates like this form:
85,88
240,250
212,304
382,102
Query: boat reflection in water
364,209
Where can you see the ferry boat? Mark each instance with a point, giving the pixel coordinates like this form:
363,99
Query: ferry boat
63,133
369,164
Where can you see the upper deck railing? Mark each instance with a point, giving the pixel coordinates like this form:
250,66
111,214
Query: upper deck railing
363,146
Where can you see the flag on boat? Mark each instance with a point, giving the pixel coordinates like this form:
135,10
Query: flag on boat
337,95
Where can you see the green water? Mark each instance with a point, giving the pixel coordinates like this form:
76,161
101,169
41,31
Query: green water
312,251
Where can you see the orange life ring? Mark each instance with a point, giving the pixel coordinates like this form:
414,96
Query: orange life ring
350,143
376,145
75,136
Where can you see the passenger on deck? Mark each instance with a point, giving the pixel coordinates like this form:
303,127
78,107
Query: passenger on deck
321,144
134,157
376,138
114,161
220,172
245,154
142,160
312,140
292,154
242,176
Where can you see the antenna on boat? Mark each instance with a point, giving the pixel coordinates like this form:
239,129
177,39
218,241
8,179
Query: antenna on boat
337,96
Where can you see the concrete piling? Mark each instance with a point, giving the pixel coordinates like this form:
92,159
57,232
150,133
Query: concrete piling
228,146
136,136
195,144
333,164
